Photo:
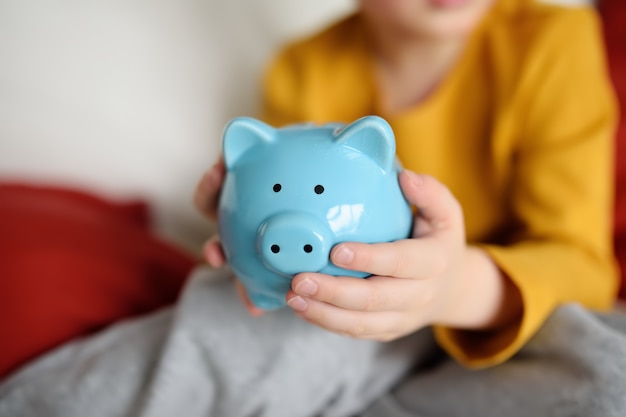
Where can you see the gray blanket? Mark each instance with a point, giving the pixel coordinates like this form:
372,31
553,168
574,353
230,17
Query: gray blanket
206,356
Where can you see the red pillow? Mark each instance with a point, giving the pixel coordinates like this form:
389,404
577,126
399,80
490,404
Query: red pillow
614,15
71,264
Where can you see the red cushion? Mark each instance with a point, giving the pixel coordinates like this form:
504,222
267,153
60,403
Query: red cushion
72,263
614,18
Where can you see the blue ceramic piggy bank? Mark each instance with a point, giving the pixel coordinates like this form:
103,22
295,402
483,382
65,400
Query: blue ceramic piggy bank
291,194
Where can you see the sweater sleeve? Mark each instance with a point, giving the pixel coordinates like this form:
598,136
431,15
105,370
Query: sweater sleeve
282,91
560,190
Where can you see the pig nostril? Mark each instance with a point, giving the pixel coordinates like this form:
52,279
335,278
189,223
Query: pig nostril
275,248
308,248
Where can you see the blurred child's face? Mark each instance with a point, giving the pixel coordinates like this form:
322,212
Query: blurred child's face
432,18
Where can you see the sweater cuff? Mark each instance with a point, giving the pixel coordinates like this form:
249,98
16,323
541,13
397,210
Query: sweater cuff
481,349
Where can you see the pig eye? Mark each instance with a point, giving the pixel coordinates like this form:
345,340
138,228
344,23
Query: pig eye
319,189
277,188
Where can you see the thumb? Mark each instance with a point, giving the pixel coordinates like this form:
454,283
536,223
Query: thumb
435,203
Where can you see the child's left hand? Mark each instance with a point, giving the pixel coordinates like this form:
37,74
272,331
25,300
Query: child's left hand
415,282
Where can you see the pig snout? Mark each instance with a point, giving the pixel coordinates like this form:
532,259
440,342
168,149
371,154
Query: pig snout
293,242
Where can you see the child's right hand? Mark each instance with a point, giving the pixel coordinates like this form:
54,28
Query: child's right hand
206,198
207,192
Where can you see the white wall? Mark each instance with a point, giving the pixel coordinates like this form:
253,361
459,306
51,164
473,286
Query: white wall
128,98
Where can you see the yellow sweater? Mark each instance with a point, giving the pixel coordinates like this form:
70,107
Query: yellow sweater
521,131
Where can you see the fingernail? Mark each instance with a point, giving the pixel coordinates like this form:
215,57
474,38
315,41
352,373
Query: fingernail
343,255
306,287
297,303
207,180
415,178
213,259
211,177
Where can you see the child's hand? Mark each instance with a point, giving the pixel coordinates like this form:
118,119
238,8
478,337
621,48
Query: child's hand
207,194
415,282
214,255
206,199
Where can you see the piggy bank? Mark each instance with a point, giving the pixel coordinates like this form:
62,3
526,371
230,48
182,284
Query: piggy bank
290,194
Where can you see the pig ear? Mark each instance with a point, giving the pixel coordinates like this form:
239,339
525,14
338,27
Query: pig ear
242,134
372,136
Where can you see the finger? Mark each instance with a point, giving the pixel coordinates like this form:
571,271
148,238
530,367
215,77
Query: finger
207,191
407,258
373,294
243,294
434,201
421,227
214,253
358,324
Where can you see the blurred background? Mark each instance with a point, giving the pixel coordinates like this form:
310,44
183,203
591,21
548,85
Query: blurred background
128,98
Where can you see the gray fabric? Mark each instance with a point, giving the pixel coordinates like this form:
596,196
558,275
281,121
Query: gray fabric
574,366
207,357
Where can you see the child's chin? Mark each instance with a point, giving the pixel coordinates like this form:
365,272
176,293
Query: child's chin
452,22
450,4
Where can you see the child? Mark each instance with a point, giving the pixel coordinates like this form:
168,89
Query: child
509,106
